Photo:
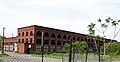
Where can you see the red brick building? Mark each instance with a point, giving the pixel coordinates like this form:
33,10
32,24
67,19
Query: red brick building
10,44
29,39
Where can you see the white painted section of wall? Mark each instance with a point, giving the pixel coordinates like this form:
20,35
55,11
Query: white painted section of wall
15,47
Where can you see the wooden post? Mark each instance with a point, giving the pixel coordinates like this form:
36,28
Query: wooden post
3,42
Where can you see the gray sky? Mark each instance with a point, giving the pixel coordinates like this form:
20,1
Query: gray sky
70,15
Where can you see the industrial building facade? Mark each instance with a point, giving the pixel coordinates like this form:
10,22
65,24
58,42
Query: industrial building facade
29,39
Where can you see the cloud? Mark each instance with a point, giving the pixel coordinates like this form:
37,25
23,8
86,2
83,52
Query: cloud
71,15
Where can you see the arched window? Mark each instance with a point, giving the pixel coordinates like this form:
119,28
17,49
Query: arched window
19,34
59,36
46,42
39,33
59,42
26,40
78,38
31,33
88,40
52,42
85,39
82,39
46,34
38,41
69,37
74,38
19,41
30,40
22,40
53,35
22,33
64,37
26,33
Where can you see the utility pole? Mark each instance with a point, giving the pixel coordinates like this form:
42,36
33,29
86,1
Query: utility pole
3,41
99,50
70,52
42,46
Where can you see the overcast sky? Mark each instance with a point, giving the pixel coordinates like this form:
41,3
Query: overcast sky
70,15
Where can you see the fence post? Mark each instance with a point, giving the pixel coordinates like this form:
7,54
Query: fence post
62,57
70,52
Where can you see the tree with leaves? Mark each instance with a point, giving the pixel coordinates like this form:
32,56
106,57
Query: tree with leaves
113,48
104,27
77,45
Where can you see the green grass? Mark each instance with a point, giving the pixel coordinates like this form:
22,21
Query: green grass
106,58
51,55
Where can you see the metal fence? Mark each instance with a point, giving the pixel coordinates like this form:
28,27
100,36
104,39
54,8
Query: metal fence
64,58
27,59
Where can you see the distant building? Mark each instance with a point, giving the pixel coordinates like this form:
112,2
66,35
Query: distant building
29,39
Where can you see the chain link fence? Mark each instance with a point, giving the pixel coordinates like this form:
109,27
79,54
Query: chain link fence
58,58
27,59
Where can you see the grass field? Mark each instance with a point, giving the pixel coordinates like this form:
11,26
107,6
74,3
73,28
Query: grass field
91,56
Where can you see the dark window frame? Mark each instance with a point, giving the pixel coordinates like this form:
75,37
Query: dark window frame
26,40
39,33
18,40
22,33
22,40
19,34
31,40
64,37
59,36
46,34
27,33
53,35
31,33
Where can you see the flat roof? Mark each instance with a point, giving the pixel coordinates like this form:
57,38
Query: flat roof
52,29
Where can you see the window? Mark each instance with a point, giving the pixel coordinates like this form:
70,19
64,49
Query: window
19,41
53,35
46,42
6,43
82,39
52,42
88,40
64,42
26,40
22,33
10,43
31,33
30,40
64,37
74,38
59,36
59,43
78,38
85,39
19,34
26,33
46,34
38,41
39,33
69,37
22,40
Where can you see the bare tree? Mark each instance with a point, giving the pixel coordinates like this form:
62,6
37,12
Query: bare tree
104,27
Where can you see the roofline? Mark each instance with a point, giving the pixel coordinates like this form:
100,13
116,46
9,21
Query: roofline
52,29
58,30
